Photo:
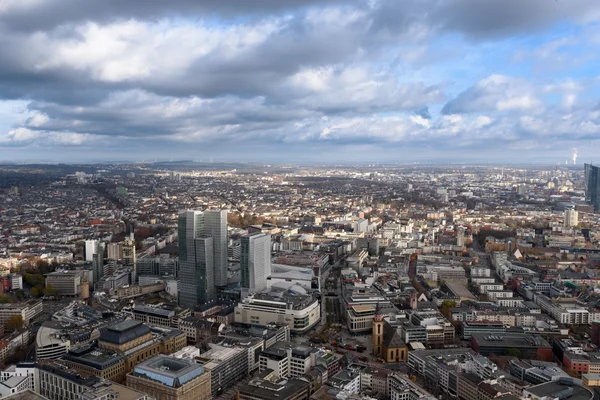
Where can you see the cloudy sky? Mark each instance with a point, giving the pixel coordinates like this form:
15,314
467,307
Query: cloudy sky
300,80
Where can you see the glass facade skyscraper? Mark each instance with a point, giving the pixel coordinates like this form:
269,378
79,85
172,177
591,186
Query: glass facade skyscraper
592,185
215,225
202,236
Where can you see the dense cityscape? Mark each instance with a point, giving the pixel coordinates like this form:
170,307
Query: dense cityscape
190,280
299,200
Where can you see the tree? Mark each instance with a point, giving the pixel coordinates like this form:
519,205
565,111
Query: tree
513,353
4,298
36,280
15,322
448,304
20,294
35,292
50,291
446,308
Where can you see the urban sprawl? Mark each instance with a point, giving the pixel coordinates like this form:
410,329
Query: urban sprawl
191,280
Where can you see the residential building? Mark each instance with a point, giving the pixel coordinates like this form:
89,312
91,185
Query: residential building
268,386
16,282
590,380
27,310
347,380
114,251
401,388
287,359
571,218
57,381
227,365
427,326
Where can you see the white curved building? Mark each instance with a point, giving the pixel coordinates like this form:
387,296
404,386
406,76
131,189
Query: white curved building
290,305
49,344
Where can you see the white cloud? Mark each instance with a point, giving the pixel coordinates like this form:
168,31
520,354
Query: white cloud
134,50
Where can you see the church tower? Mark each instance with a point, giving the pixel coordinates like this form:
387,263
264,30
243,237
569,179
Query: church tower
378,332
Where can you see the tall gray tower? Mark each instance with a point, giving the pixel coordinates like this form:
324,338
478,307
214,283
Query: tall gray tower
196,266
255,262
203,264
215,225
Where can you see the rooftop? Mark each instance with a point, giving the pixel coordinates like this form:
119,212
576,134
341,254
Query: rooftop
274,388
564,388
170,371
13,381
123,332
25,395
93,357
157,311
509,340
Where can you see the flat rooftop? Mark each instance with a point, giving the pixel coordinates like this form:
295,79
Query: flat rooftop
509,340
93,357
125,325
560,389
25,395
460,290
170,371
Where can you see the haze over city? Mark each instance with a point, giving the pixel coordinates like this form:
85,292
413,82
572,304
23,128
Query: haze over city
505,81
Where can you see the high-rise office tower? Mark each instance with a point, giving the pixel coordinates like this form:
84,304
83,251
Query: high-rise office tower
90,249
255,262
592,186
115,252
202,240
215,225
128,252
571,218
98,262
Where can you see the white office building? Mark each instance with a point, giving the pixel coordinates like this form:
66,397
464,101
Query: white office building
91,247
255,262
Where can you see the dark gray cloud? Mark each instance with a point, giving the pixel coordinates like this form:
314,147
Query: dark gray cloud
502,18
327,72
47,14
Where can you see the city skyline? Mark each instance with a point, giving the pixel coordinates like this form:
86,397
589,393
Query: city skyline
300,81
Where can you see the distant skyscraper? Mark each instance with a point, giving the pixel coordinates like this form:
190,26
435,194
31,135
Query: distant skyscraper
412,266
215,225
255,262
115,252
128,252
571,218
592,186
90,249
202,255
98,261
196,268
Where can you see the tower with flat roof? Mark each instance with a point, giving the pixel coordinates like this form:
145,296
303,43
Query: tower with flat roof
592,185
